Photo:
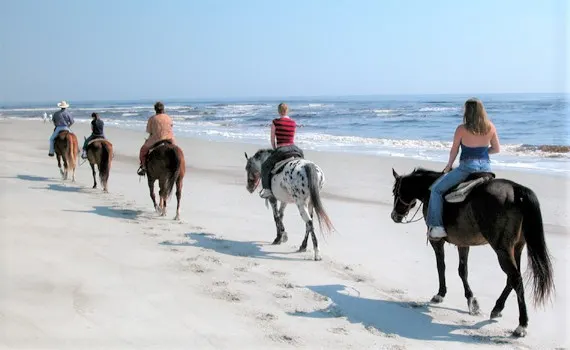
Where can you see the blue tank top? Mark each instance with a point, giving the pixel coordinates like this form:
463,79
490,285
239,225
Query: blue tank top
474,152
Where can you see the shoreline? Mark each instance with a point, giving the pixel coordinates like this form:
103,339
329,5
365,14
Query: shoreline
508,164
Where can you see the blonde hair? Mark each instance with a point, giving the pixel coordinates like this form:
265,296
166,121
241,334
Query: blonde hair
282,108
475,117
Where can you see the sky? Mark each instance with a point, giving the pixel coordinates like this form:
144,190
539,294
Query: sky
175,49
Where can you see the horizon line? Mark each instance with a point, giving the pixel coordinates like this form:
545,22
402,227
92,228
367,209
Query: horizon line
273,98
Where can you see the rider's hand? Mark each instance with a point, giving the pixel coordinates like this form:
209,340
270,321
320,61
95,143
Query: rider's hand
447,169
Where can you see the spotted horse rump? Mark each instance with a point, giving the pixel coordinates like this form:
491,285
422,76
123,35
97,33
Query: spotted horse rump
294,180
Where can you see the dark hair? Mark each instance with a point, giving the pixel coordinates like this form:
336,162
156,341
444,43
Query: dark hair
94,115
159,107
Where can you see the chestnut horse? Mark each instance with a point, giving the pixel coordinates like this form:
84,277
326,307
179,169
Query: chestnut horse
100,153
165,163
66,148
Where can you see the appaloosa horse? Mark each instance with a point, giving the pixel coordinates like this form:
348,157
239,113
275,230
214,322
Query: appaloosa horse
100,153
66,148
498,212
165,163
296,181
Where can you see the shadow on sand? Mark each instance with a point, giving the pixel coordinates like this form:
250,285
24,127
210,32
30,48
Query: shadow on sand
111,212
29,178
404,319
249,249
60,188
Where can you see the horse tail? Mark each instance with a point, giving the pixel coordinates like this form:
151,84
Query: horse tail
314,191
70,151
177,159
538,255
105,162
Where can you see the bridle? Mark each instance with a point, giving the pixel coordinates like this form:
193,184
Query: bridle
408,205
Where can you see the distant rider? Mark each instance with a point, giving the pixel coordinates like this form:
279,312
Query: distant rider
62,120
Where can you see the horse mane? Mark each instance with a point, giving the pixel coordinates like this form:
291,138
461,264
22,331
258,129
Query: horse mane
419,171
257,154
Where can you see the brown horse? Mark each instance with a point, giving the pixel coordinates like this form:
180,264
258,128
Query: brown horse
165,163
100,153
499,212
66,148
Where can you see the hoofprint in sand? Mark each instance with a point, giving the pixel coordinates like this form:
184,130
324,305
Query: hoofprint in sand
87,269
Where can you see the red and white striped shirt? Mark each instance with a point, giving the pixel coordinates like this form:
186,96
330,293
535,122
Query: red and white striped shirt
284,131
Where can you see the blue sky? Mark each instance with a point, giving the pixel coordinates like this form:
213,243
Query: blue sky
138,49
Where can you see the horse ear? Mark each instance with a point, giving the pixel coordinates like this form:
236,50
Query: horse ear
246,157
396,176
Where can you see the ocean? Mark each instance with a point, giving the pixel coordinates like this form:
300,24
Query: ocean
533,128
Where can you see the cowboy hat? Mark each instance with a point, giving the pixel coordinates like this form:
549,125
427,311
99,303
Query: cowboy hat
63,104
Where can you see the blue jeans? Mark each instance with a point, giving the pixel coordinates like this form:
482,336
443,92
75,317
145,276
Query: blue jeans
54,135
447,181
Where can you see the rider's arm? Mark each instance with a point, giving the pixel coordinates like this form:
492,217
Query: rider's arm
272,135
455,146
495,144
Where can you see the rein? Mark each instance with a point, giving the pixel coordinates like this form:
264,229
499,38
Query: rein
408,205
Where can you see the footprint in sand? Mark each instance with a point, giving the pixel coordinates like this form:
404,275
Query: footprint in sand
241,269
282,295
279,273
196,268
339,330
220,283
228,296
286,285
267,317
283,338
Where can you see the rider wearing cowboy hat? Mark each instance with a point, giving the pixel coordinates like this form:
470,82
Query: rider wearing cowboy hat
62,120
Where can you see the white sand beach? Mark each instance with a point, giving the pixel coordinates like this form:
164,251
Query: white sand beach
83,269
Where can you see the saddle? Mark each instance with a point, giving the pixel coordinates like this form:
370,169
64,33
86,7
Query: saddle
459,193
97,138
158,144
280,165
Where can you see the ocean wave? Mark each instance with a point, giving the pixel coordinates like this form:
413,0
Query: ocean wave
438,109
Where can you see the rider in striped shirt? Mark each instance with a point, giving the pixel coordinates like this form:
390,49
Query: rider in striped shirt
282,141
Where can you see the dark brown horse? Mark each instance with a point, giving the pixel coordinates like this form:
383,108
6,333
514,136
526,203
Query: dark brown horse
498,212
100,153
66,148
165,163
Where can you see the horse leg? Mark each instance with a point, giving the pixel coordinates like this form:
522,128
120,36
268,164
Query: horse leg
472,302
151,189
440,259
93,172
303,246
500,304
65,168
309,228
162,194
179,183
514,279
278,221
59,164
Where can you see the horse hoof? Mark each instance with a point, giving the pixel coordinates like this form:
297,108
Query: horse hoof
284,238
318,258
520,332
177,218
276,241
474,308
302,249
496,314
437,299
94,186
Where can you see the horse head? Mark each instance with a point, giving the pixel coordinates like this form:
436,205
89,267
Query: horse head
404,200
253,168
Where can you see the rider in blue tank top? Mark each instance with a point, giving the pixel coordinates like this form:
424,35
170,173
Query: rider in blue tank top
473,137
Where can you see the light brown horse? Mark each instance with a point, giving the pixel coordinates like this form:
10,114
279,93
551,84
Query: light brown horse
100,153
66,148
165,163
